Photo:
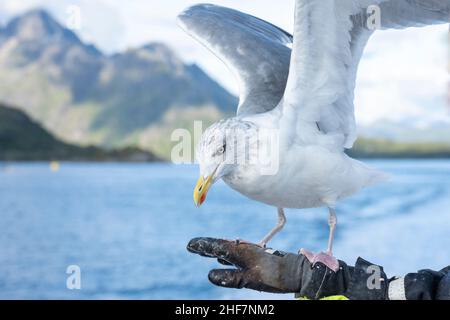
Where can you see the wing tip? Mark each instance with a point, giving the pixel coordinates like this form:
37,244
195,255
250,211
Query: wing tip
191,10
187,15
183,17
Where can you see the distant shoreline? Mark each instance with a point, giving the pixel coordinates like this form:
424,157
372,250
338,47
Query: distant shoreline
369,148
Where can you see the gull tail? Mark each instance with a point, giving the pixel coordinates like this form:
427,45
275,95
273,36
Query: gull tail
370,176
378,176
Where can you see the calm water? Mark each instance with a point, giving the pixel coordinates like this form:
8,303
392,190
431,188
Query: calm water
126,226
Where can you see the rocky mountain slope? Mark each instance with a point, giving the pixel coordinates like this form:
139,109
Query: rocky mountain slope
83,96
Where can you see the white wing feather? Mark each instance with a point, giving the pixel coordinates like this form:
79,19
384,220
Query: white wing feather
329,38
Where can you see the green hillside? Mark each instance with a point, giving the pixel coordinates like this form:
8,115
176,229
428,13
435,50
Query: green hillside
23,139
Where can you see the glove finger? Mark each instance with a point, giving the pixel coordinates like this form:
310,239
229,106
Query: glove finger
228,278
238,279
238,254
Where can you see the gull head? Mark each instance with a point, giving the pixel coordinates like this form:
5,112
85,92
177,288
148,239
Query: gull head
222,150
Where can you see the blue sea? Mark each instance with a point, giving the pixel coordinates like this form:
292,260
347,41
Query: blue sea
126,227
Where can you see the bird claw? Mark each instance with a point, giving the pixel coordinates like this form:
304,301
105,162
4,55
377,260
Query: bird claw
325,258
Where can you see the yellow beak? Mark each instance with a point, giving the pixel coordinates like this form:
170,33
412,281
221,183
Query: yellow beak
201,189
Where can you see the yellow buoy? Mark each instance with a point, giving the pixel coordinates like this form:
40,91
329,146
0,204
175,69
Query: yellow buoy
54,166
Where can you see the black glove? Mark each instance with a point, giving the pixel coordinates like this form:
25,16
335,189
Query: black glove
279,272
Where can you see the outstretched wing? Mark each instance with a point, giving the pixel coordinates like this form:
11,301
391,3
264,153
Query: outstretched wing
329,39
256,51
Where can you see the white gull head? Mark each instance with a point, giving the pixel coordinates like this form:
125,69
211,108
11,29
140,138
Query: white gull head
225,149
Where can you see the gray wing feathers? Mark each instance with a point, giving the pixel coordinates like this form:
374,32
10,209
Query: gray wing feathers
254,50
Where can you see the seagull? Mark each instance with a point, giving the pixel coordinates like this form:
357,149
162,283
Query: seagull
301,89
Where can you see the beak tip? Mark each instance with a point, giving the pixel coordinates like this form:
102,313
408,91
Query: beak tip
200,191
198,203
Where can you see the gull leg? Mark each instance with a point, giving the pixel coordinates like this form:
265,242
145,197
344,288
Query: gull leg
280,224
326,258
332,222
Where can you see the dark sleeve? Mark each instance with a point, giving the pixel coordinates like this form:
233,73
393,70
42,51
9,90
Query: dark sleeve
368,281
443,291
364,281
318,281
425,285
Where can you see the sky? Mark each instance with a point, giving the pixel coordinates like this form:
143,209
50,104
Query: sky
403,76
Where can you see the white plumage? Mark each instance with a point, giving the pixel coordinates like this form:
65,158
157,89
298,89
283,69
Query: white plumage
305,95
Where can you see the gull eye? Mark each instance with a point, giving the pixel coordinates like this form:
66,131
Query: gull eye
221,150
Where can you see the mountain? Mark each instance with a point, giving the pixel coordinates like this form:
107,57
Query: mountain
23,139
83,96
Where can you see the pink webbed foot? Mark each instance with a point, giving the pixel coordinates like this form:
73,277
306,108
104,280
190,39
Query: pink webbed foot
323,257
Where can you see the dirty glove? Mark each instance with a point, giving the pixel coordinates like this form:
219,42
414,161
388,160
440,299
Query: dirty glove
256,268
269,270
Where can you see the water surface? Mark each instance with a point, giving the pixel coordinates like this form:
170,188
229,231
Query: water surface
127,225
